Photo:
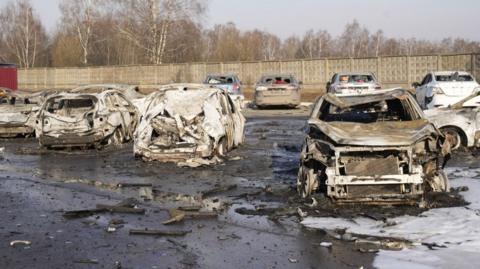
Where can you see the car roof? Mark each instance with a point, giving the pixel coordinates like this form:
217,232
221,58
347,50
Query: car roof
349,100
353,73
446,73
221,75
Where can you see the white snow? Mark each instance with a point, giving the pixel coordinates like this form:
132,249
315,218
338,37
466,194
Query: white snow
458,229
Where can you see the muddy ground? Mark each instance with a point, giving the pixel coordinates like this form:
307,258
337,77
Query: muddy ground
257,225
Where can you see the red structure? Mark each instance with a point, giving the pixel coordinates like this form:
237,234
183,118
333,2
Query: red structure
8,76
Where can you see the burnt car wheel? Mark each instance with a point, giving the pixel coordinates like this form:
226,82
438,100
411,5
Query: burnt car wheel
454,137
306,181
440,182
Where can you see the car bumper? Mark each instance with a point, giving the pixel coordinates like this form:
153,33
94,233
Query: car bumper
8,131
440,100
388,189
286,98
174,155
70,140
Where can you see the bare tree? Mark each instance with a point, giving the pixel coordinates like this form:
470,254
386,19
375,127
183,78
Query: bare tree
79,16
22,32
148,23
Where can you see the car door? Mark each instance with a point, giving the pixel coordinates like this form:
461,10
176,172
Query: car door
421,91
238,122
227,120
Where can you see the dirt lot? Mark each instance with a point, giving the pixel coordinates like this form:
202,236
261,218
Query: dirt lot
257,225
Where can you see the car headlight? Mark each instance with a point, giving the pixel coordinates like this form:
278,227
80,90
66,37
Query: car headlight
437,90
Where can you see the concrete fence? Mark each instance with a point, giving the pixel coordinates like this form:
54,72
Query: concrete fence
392,71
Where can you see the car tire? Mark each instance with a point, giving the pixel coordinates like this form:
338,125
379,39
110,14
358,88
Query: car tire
306,181
454,136
222,147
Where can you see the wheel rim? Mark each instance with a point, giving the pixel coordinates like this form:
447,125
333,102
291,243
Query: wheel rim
454,137
305,182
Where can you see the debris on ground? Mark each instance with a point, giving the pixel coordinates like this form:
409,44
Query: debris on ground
20,242
177,215
158,232
86,261
217,190
128,206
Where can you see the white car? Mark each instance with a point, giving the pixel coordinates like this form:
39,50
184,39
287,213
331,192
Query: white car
353,83
460,121
441,89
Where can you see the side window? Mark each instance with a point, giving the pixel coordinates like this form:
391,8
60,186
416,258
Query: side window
223,103
427,79
122,101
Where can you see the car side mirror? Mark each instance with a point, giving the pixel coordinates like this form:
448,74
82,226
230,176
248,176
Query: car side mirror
415,84
300,82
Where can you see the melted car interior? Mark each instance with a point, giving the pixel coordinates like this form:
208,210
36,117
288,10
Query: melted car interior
70,107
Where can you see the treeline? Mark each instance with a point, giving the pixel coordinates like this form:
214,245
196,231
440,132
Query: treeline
125,32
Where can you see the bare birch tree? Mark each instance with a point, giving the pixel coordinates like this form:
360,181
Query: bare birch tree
78,16
148,23
22,32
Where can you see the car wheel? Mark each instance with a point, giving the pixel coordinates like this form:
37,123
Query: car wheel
222,147
117,136
306,181
453,137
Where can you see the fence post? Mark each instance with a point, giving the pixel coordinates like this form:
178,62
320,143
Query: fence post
409,77
303,71
439,62
378,68
327,70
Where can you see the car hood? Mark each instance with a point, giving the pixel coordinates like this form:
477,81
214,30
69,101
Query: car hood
457,88
399,133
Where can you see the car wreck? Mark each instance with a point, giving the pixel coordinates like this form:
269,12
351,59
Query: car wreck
459,122
278,90
373,148
188,124
17,111
81,120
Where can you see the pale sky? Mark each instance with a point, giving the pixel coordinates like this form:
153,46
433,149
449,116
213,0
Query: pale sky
429,19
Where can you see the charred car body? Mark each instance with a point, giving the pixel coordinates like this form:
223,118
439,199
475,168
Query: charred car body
460,122
278,90
186,122
372,148
17,112
68,120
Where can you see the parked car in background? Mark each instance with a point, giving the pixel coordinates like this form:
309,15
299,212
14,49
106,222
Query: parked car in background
278,90
86,120
441,89
229,82
460,122
372,148
353,83
172,130
17,112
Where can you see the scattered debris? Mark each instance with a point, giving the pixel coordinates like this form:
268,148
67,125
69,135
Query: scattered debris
134,185
177,215
158,232
128,207
292,260
20,242
217,190
326,244
86,261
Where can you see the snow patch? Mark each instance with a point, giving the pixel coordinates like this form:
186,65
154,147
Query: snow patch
458,229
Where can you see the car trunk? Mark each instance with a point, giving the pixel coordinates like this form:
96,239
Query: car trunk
456,88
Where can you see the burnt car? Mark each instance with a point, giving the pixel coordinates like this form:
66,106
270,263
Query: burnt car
278,90
83,120
17,112
188,123
372,148
460,122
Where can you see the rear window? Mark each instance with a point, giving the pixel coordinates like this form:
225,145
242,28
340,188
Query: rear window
220,80
68,106
277,80
356,78
388,110
453,77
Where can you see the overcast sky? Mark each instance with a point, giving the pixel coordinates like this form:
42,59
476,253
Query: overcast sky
430,19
